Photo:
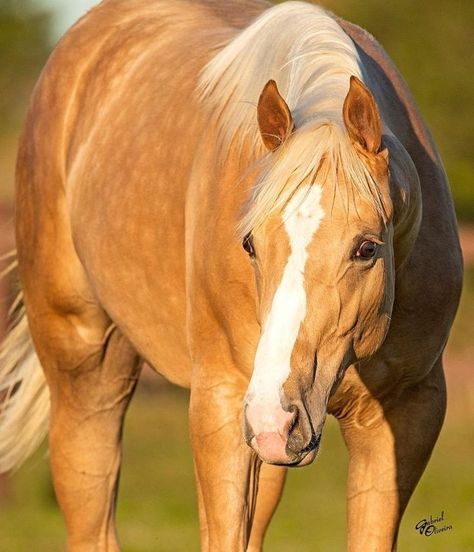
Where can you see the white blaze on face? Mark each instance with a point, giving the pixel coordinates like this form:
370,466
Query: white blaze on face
302,217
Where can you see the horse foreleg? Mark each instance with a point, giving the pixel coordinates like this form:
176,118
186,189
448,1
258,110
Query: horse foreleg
226,468
91,385
389,446
270,489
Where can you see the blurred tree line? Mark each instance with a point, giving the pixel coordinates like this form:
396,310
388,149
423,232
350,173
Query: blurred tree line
429,41
24,47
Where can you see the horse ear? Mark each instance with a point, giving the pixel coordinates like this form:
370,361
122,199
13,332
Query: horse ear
274,116
361,117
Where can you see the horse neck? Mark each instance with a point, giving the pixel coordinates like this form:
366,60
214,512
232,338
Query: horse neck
407,201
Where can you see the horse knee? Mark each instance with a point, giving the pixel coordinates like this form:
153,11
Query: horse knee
99,377
90,366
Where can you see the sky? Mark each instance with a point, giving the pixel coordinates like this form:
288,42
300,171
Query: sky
66,12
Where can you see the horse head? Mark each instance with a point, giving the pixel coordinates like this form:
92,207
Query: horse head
324,266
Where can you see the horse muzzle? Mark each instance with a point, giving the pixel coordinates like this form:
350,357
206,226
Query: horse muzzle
278,436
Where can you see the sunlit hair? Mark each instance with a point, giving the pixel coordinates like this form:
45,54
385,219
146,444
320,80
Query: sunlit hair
310,57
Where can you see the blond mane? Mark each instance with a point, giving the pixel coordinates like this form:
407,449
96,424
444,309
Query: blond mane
305,51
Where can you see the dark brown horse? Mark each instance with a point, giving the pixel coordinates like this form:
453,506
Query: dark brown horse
246,197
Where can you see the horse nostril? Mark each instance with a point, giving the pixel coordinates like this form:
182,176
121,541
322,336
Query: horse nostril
293,410
295,437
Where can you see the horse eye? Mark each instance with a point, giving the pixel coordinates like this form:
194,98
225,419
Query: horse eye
247,244
366,250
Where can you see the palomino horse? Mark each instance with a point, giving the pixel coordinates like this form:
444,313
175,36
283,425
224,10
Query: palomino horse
246,197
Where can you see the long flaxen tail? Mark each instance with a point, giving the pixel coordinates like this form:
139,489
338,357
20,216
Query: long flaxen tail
24,394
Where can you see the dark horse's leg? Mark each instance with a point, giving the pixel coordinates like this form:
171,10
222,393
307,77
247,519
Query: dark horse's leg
389,446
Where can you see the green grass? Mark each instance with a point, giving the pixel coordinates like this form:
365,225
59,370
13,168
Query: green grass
157,504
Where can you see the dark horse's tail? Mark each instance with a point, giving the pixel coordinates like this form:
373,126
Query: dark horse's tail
24,394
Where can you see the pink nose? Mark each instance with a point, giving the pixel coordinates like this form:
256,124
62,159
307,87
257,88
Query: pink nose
268,427
271,447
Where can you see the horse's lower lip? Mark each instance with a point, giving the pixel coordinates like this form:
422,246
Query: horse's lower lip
307,459
302,460
308,454
299,459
